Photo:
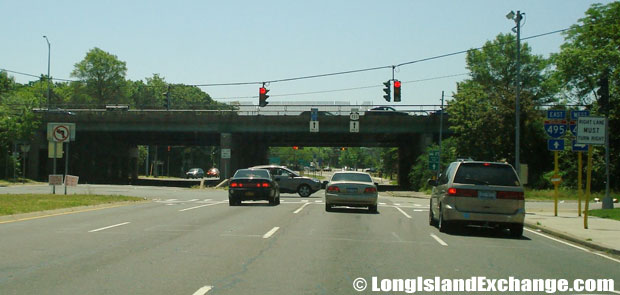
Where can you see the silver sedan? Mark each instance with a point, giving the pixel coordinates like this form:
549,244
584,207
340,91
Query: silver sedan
353,189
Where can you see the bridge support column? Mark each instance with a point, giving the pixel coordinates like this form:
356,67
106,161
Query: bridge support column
406,159
226,150
37,144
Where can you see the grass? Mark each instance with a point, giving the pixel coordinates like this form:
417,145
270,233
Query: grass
606,213
547,195
16,204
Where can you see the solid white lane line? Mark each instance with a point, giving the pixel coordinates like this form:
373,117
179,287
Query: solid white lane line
403,212
440,241
419,210
574,246
271,232
191,208
318,201
300,208
304,201
193,200
107,227
203,290
382,204
396,204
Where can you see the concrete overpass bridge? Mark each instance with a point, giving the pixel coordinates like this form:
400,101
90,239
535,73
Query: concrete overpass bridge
108,139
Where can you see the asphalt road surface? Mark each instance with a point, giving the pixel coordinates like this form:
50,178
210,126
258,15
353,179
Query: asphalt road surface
189,241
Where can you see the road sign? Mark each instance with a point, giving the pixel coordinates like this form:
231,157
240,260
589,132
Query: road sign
314,114
579,147
574,115
314,126
555,128
555,144
433,160
50,149
53,128
591,130
433,166
355,115
556,179
71,180
225,154
55,179
354,126
556,114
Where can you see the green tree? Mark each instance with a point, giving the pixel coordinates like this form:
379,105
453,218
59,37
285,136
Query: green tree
104,75
482,113
591,52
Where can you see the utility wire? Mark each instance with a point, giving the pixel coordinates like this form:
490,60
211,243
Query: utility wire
324,75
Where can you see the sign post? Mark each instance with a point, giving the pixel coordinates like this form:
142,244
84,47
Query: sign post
579,148
59,133
555,127
590,130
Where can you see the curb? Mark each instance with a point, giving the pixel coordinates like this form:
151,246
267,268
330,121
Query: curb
572,238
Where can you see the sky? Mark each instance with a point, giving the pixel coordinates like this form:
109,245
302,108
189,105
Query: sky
214,42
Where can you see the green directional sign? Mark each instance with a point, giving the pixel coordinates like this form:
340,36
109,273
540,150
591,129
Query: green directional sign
433,160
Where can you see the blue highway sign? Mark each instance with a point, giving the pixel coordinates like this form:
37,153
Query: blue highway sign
579,147
574,115
556,114
555,128
555,144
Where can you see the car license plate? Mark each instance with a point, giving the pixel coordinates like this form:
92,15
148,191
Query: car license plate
351,190
486,195
249,194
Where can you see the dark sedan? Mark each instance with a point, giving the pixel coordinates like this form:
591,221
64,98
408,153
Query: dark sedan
253,185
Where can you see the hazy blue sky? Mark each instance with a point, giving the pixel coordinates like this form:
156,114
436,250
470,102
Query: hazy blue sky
202,42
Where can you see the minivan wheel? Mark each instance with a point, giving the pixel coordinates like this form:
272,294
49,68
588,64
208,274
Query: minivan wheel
431,217
443,225
304,191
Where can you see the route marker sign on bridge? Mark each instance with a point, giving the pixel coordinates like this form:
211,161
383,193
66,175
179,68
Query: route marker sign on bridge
314,126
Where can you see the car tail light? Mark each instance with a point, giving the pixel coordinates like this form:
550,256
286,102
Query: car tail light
511,195
370,190
265,184
333,189
459,192
236,184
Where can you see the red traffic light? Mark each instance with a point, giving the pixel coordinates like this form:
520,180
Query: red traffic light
262,90
397,84
295,147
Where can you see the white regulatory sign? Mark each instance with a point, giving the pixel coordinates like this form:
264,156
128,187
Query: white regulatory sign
314,126
355,115
591,130
354,126
225,154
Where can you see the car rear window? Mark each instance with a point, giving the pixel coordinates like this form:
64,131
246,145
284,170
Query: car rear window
252,173
352,177
486,174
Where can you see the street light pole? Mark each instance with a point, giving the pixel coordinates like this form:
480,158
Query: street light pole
517,18
49,50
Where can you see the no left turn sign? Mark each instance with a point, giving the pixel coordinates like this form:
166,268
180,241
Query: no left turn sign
61,133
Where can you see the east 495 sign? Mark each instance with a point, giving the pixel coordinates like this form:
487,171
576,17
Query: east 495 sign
555,128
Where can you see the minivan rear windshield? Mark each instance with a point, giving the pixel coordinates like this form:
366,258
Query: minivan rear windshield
486,174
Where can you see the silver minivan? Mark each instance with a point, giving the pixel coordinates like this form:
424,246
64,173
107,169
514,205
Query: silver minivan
481,193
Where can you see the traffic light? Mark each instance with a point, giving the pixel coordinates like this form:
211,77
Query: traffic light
295,147
343,148
387,91
603,94
396,91
262,96
167,101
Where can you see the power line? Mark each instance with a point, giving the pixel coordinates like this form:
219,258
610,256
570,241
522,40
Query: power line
322,75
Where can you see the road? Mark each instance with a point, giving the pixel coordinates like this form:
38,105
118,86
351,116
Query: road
189,241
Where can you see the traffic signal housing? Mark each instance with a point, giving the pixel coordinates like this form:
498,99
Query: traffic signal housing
396,91
387,91
262,96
